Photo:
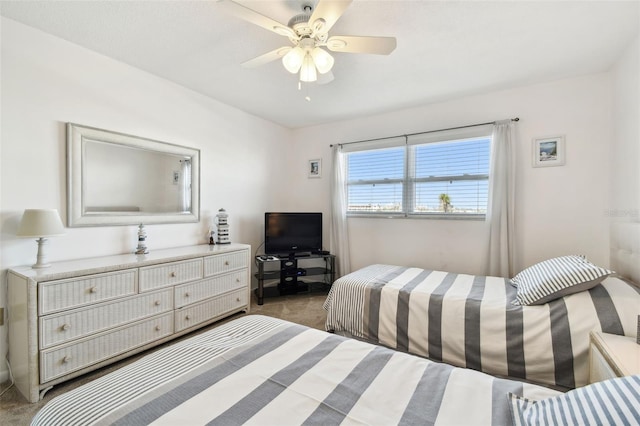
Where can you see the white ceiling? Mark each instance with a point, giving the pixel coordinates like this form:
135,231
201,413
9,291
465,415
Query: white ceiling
446,49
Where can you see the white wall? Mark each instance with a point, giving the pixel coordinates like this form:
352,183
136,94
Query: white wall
624,204
47,82
560,210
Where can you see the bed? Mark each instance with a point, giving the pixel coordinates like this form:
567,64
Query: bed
471,321
262,370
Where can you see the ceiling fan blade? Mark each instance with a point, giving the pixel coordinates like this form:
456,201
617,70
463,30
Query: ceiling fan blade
267,57
326,13
250,15
362,44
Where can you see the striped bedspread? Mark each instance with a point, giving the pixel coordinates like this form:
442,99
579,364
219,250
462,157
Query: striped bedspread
265,371
469,321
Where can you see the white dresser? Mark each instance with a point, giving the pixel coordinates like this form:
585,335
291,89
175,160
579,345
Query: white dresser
80,315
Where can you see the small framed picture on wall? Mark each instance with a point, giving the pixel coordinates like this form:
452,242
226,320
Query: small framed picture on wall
548,152
315,168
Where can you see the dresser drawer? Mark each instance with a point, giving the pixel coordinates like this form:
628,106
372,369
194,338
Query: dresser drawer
227,262
210,309
60,328
65,359
72,293
167,274
187,294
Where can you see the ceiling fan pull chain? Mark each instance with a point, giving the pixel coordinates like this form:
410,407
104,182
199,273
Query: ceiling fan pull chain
306,90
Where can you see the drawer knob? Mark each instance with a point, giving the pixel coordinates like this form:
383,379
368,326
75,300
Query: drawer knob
226,263
172,274
187,317
157,328
65,327
187,294
157,303
93,290
237,280
66,359
237,299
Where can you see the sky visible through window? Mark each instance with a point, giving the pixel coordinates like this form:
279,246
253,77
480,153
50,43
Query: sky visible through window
376,177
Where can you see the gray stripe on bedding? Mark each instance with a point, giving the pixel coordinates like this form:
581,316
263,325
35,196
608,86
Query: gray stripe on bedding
150,411
402,312
427,398
254,401
435,316
606,310
341,400
561,344
472,305
515,334
500,389
374,291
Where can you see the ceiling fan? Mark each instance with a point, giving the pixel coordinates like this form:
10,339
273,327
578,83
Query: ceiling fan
308,33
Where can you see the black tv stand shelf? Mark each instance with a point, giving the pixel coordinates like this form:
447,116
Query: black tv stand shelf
294,274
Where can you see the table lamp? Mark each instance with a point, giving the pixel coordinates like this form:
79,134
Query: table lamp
41,223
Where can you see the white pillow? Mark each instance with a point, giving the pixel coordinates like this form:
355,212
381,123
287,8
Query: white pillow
555,278
611,402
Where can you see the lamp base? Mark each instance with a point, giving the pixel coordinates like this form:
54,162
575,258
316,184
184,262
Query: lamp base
41,259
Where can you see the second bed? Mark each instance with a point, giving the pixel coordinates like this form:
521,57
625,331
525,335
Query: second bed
472,321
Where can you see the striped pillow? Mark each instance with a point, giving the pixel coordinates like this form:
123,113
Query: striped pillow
611,402
555,278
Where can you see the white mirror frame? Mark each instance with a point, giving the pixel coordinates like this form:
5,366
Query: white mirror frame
77,136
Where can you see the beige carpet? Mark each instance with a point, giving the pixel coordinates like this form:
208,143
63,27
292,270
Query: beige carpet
302,309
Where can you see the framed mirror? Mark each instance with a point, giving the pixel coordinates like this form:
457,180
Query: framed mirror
119,179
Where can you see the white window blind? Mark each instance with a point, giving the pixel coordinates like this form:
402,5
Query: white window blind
432,174
376,176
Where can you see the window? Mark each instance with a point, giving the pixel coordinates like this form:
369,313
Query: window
431,174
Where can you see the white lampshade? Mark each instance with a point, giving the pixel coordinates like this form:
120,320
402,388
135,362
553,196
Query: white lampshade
322,59
308,71
292,61
40,223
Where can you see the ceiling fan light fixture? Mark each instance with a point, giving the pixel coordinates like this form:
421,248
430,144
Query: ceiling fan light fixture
308,70
323,60
293,60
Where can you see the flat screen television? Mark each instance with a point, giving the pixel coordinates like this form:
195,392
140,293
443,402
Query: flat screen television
288,234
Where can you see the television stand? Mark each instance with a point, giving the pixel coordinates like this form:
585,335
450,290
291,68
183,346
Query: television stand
294,275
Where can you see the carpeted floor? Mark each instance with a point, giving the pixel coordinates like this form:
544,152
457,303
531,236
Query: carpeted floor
302,309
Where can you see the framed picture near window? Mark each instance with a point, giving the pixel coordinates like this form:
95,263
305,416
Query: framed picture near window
548,152
315,168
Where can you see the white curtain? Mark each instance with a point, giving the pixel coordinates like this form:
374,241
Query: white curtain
339,228
501,205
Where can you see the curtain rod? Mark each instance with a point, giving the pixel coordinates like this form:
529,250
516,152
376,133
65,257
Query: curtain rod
423,133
